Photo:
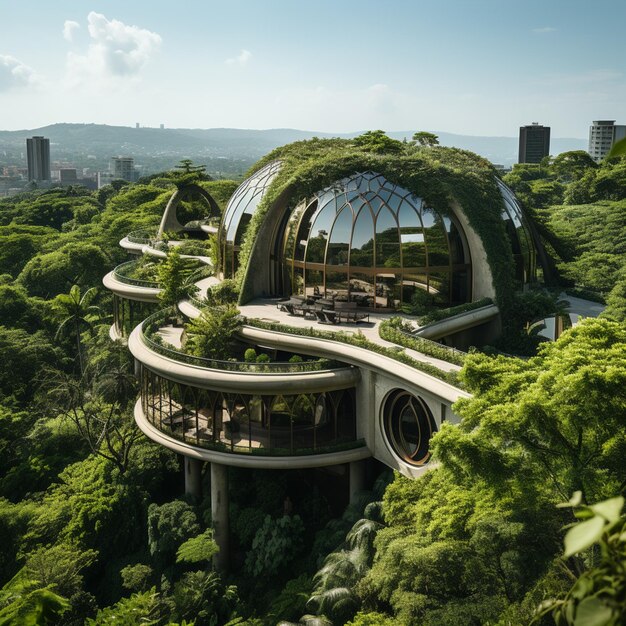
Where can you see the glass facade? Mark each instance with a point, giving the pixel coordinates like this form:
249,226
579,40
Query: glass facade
521,240
367,240
239,212
265,424
409,425
128,313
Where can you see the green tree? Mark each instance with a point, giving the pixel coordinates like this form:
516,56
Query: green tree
74,263
425,139
41,607
136,577
561,410
24,355
169,526
142,609
98,404
58,567
275,545
203,597
211,335
598,596
378,142
569,166
172,279
76,312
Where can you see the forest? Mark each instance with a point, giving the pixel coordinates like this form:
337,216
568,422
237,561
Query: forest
96,529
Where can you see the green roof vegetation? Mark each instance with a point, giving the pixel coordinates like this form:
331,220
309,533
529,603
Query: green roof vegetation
438,175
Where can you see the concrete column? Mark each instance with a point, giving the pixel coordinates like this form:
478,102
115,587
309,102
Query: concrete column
219,514
357,479
193,477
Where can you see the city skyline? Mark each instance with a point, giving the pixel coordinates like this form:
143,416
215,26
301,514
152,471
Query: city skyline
479,68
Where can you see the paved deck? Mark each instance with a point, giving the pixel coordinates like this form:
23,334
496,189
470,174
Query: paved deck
266,309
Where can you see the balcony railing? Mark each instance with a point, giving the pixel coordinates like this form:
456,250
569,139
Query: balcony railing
155,321
142,236
121,274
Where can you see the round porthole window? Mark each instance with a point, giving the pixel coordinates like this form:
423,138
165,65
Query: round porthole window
409,426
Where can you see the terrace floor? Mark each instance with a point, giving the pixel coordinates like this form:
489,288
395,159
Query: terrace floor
266,310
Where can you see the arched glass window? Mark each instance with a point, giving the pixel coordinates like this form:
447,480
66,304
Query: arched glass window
519,235
237,215
367,240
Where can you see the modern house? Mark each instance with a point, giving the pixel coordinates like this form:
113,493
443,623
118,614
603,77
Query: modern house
323,254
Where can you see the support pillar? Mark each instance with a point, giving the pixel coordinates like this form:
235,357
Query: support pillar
193,477
357,479
219,514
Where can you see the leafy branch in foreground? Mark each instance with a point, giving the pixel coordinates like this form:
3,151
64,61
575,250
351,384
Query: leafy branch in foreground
598,597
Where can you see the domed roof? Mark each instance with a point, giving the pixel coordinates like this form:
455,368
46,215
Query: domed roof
241,207
245,200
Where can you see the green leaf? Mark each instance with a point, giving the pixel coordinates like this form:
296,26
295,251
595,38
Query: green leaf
583,535
575,500
198,549
593,612
609,509
584,513
618,149
582,587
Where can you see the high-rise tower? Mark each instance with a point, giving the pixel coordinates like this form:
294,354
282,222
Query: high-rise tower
602,135
38,156
534,143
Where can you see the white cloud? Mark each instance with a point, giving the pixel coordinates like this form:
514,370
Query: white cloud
69,27
241,59
544,29
115,49
13,73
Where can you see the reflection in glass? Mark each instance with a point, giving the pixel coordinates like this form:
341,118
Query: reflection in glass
362,251
362,289
409,426
389,291
386,238
238,213
337,285
339,243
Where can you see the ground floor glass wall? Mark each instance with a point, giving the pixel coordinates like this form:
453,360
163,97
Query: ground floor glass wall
265,424
382,290
128,313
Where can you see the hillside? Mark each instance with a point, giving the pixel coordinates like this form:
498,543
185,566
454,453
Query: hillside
156,148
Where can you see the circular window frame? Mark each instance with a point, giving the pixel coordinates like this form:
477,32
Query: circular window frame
393,410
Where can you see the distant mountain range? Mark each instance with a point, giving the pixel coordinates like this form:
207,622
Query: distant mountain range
154,146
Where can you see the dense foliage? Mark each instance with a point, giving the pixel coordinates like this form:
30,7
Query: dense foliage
580,210
95,531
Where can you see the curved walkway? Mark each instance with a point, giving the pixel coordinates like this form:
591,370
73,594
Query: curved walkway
240,382
267,311
130,292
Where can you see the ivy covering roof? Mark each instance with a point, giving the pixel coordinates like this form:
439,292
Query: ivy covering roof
437,174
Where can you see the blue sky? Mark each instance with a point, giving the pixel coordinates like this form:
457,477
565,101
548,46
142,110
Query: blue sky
481,67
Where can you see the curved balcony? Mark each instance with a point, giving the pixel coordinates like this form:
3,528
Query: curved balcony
136,240
255,410
237,376
122,271
131,290
159,249
250,457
